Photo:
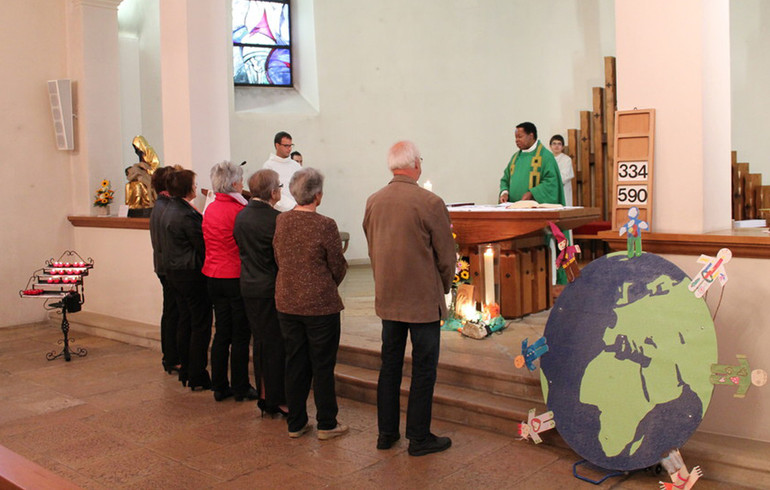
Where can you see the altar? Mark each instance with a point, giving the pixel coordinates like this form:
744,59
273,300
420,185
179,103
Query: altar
525,264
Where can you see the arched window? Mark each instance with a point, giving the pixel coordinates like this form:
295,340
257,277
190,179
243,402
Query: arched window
261,43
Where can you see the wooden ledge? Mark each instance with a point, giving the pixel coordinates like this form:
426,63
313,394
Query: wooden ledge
110,222
18,472
751,244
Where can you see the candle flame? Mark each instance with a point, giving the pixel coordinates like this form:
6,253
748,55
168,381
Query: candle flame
469,312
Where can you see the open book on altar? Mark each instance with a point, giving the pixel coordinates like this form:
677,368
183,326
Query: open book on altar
532,205
509,206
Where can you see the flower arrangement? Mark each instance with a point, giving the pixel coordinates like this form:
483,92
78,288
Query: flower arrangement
461,310
104,194
462,276
462,271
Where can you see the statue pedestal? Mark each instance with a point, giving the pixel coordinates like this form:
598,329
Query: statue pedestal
139,213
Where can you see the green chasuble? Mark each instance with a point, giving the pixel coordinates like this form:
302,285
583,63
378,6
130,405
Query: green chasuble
535,171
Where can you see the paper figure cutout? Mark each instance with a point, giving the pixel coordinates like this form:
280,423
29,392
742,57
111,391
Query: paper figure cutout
530,353
740,376
566,259
633,230
714,268
536,425
681,478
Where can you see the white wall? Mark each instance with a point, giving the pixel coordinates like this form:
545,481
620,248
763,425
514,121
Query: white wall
139,20
750,81
454,76
36,195
668,56
122,283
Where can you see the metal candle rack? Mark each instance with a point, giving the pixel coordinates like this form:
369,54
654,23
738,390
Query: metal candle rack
60,284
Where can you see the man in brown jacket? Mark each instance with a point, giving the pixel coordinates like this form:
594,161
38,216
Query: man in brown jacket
413,260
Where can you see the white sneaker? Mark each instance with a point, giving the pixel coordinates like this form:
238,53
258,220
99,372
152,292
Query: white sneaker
304,430
325,435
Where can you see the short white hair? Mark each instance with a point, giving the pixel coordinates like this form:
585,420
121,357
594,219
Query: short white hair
223,175
403,154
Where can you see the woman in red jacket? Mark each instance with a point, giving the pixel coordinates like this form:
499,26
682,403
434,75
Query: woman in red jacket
222,267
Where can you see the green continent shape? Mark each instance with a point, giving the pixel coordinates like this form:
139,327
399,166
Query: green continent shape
671,328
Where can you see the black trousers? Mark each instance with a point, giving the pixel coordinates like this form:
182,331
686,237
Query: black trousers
311,353
269,353
194,329
169,320
426,341
231,337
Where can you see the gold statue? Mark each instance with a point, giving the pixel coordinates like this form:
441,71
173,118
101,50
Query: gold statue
139,191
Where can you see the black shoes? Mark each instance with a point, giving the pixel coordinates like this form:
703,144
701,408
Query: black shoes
251,394
271,412
172,369
223,394
386,441
202,382
431,444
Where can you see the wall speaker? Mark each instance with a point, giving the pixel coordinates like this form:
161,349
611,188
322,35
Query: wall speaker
60,97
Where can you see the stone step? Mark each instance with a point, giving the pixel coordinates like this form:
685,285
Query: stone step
464,405
472,396
524,386
109,327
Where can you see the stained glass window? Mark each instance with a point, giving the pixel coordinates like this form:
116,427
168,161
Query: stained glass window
261,43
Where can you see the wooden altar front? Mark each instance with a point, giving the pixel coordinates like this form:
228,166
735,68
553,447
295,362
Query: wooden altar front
525,264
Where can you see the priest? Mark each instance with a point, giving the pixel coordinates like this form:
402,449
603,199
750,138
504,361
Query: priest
285,166
532,174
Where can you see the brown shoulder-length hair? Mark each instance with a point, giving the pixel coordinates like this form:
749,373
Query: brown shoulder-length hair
160,178
180,184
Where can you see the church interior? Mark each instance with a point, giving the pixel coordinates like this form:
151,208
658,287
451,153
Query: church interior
453,76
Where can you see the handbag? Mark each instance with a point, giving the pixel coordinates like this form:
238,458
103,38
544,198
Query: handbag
475,330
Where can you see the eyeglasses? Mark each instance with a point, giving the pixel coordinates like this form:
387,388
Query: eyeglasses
290,145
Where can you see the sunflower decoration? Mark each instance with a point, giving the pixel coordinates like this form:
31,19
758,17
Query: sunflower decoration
104,194
462,276
462,271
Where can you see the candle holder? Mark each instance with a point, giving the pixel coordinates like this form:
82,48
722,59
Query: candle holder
489,256
61,281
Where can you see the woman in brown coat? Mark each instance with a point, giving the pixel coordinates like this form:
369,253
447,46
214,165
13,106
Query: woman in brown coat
308,251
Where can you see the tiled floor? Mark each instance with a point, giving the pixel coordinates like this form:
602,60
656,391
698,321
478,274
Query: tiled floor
114,419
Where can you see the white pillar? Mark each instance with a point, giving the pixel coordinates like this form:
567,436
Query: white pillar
195,84
674,57
94,66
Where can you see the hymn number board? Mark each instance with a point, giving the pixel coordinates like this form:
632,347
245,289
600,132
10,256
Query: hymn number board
634,162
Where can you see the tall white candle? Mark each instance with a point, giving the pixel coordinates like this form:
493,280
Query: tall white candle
489,276
428,186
